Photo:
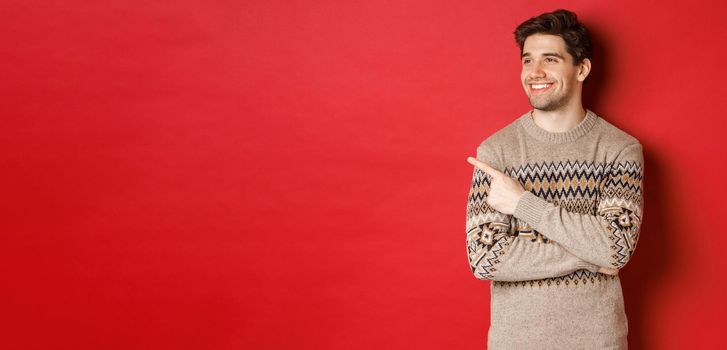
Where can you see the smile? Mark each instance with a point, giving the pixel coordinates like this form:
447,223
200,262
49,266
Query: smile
540,87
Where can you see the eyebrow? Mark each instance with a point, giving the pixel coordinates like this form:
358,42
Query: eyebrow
551,54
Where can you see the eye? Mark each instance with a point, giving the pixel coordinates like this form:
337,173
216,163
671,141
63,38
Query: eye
526,61
551,59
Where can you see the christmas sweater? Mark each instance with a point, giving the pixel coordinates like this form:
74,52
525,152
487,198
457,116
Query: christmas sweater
582,209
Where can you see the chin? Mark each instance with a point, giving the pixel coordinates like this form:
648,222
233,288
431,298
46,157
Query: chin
550,104
545,107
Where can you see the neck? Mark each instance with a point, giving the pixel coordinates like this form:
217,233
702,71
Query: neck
560,120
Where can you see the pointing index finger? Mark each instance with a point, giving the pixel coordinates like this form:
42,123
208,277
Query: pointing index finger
484,166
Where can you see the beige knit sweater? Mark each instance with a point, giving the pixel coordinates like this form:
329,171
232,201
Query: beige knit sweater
583,210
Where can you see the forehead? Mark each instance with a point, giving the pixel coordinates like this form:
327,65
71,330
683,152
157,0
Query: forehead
538,44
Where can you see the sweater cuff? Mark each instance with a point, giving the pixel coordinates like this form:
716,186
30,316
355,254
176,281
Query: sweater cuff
530,208
588,266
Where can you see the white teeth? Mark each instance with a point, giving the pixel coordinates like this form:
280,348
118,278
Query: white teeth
539,86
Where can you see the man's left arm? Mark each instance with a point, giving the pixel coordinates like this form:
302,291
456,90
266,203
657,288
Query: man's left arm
608,238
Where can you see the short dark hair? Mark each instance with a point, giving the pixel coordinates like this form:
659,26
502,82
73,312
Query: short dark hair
562,23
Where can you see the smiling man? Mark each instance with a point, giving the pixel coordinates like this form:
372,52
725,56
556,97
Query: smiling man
555,207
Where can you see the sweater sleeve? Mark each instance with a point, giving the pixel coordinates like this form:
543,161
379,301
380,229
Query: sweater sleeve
607,238
495,253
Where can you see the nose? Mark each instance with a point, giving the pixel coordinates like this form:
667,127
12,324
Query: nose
536,70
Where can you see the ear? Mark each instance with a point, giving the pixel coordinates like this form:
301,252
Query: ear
583,69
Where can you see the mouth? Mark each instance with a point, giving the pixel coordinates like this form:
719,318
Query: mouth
538,88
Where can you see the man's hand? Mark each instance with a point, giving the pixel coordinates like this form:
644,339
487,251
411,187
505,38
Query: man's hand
505,191
607,271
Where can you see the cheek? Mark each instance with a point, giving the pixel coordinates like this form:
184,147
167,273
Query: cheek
569,77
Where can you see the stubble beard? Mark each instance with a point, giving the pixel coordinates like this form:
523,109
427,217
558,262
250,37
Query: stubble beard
548,104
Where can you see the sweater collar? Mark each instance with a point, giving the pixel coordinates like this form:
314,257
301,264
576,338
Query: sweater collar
528,123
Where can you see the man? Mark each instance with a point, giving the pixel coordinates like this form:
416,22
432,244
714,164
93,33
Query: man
555,206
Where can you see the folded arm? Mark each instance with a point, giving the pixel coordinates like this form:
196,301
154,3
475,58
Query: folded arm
495,253
608,238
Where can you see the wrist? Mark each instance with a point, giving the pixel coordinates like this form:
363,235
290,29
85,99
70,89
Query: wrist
530,208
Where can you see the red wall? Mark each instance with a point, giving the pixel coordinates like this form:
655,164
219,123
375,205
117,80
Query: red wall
292,175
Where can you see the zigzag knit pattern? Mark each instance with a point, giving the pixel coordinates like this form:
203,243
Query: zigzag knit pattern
580,277
610,191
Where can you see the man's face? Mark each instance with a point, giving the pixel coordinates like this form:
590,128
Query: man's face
548,75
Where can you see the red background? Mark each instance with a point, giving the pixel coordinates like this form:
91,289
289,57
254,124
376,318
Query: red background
292,175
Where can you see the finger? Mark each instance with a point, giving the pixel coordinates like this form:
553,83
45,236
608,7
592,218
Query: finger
484,167
608,271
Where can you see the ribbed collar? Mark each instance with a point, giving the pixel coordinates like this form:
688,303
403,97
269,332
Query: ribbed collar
528,123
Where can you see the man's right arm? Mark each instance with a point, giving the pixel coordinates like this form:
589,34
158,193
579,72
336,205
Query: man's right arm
494,253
